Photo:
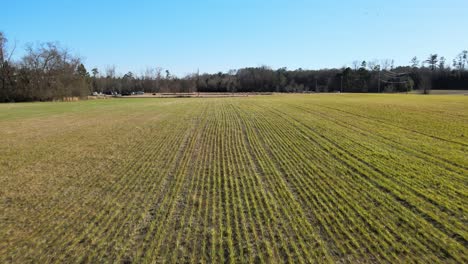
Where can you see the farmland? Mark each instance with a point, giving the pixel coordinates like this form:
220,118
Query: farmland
298,178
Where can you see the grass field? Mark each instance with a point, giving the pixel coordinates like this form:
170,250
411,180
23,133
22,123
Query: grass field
299,178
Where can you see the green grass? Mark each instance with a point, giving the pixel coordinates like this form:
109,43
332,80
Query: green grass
283,178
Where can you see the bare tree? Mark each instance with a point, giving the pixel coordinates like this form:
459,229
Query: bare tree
110,71
3,42
373,65
356,65
52,73
5,55
386,64
4,69
158,75
148,80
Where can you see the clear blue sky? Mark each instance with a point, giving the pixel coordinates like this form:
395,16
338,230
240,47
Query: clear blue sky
221,35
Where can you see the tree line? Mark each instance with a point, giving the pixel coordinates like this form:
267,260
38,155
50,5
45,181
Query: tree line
373,76
432,73
49,72
46,72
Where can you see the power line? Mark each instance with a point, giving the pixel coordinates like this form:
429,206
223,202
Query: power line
389,77
393,82
389,73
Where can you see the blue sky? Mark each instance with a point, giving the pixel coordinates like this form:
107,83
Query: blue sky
221,35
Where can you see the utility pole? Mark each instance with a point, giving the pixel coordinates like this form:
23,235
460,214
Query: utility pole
198,81
407,85
341,87
379,81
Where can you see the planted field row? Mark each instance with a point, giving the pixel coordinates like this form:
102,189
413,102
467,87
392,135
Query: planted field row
301,179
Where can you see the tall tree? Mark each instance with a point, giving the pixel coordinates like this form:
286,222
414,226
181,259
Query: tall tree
3,41
3,71
442,63
414,62
81,70
95,72
461,61
432,61
94,84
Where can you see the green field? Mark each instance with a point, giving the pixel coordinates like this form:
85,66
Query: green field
298,178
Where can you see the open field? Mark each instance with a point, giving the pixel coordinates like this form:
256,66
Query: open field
180,95
443,92
299,178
